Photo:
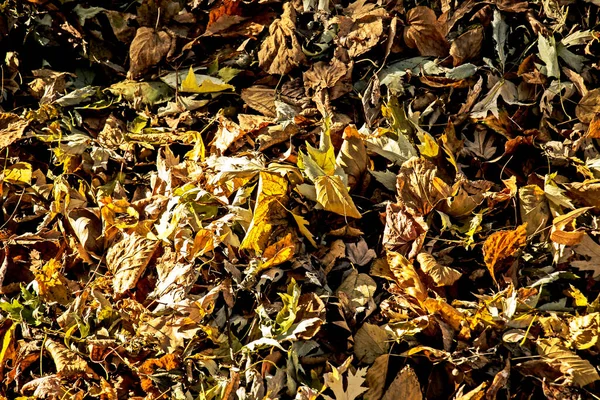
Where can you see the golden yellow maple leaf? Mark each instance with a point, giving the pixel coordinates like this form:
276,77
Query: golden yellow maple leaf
501,245
279,252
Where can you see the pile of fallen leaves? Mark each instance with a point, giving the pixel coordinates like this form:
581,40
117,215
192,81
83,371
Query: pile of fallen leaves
255,199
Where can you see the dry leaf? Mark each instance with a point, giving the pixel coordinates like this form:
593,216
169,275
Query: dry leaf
588,106
353,156
148,49
403,232
359,253
467,46
360,28
424,32
334,197
405,386
559,232
406,276
575,369
419,189
589,248
127,260
501,245
269,211
370,342
328,81
376,377
441,275
12,128
281,51
534,208
67,362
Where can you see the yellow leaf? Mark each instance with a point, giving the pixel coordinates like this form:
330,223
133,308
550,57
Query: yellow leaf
441,275
406,276
302,227
501,245
580,299
323,157
334,197
428,147
269,211
574,368
279,252
208,84
19,173
127,260
560,234
203,242
52,284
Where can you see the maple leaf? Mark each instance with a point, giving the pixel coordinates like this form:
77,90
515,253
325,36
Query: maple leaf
334,380
481,146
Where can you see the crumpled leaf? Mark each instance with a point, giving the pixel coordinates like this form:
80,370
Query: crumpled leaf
281,51
67,362
360,28
533,208
353,156
403,232
501,245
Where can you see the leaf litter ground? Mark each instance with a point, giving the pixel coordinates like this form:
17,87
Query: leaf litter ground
311,199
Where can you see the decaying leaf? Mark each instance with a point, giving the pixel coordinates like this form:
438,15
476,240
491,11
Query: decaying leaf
333,196
281,51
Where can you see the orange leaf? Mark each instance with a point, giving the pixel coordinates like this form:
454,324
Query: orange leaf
502,245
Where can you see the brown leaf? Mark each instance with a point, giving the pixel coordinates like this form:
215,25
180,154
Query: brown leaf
281,51
424,32
361,27
405,386
148,49
467,46
127,260
588,106
403,232
12,128
327,81
564,230
353,156
260,98
501,245
68,363
499,382
419,189
376,377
